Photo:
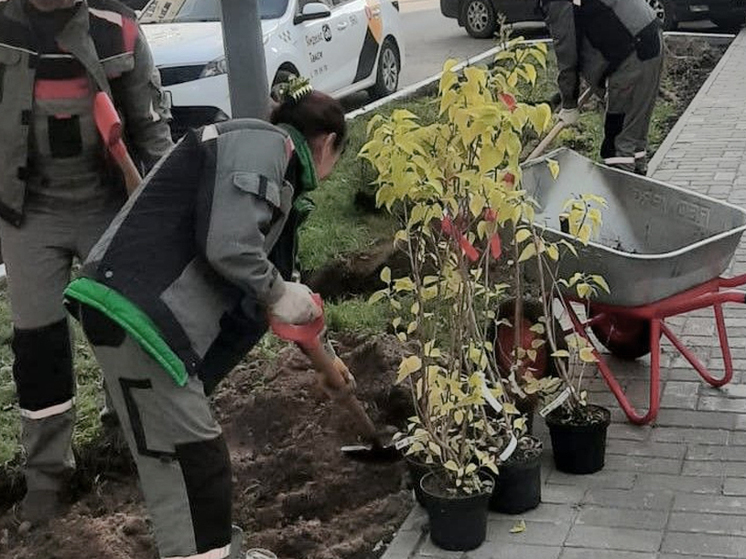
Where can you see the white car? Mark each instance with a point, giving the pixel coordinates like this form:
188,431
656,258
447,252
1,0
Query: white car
343,46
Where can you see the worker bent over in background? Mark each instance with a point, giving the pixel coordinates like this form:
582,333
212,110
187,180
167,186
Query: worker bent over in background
179,289
616,46
59,192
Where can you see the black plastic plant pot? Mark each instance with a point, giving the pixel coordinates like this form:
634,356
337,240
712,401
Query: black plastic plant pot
518,487
457,523
579,448
417,470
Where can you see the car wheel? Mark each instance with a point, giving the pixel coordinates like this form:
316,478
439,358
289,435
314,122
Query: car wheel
282,76
389,68
480,19
729,22
665,11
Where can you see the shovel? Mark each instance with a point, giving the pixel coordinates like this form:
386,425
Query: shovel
332,373
552,134
110,127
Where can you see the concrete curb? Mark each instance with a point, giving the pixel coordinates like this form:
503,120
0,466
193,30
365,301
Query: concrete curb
675,132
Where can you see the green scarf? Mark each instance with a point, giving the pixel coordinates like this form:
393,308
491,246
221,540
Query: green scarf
303,204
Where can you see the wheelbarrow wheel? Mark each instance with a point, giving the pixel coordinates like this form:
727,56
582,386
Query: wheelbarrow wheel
625,337
544,365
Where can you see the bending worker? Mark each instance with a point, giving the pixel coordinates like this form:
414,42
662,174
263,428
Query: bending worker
616,46
59,192
179,289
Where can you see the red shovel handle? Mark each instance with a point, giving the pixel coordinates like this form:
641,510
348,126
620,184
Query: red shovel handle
305,335
107,119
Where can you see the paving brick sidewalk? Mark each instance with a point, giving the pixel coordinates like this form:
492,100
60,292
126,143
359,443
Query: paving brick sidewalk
676,489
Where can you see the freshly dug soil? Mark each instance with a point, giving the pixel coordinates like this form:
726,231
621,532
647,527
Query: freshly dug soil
294,492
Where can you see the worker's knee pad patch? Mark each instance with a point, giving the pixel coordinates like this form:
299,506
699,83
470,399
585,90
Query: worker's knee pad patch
100,329
206,468
648,43
43,366
612,128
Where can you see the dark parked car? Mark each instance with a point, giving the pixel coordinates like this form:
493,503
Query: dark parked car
480,17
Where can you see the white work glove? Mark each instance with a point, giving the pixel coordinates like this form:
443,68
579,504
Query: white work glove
569,116
296,305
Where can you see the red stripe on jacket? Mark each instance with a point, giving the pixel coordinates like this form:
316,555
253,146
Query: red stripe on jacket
75,88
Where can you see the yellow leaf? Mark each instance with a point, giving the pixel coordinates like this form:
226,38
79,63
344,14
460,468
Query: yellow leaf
520,423
522,235
412,327
450,465
553,168
458,415
587,355
409,365
553,252
511,409
531,72
561,353
601,282
538,328
402,337
519,527
377,296
584,290
386,275
476,204
415,308
404,284
470,469
527,253
434,448
449,64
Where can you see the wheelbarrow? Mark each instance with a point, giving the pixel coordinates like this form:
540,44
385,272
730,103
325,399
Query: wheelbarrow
661,249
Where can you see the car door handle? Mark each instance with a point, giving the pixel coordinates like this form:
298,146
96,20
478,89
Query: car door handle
342,26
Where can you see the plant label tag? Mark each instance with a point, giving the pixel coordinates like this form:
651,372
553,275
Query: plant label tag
403,443
510,449
554,404
491,400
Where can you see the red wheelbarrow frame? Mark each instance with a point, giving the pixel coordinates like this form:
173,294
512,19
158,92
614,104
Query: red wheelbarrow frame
714,293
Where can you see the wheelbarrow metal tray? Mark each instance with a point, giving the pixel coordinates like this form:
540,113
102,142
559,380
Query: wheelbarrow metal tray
656,239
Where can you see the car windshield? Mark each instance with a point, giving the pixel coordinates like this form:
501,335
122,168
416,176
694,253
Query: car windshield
182,11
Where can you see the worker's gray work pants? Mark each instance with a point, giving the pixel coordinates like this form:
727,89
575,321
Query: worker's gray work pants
38,258
181,456
632,92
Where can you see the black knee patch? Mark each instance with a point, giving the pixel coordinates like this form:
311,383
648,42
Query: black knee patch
206,468
612,127
43,366
99,328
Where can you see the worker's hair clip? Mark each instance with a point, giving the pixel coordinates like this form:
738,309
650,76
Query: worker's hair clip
295,89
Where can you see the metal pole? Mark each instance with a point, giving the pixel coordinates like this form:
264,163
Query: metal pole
244,51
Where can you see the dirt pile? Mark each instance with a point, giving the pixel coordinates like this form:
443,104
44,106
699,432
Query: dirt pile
294,492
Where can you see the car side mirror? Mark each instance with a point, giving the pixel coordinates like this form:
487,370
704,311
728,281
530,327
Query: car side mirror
313,10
